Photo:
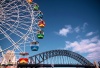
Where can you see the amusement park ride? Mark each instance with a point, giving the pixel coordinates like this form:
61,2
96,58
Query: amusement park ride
23,20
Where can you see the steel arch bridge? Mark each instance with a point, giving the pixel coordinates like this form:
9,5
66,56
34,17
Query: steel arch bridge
67,59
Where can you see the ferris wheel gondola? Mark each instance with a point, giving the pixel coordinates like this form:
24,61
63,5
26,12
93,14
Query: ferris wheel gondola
40,15
40,34
35,46
41,24
30,1
36,7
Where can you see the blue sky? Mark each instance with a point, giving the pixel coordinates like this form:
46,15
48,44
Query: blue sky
71,25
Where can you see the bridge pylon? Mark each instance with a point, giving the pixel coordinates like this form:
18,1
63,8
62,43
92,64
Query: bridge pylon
96,64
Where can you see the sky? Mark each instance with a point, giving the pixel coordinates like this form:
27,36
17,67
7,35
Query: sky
71,25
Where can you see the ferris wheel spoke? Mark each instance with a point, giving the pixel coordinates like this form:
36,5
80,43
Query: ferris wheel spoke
10,24
9,4
11,15
8,16
26,16
25,29
6,30
6,49
11,19
25,23
26,5
34,27
13,11
15,31
32,35
8,37
2,1
6,25
19,33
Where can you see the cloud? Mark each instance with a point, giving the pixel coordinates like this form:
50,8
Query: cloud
68,29
90,46
84,26
90,33
77,29
94,56
65,31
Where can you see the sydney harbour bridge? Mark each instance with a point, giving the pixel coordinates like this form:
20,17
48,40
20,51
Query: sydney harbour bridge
58,58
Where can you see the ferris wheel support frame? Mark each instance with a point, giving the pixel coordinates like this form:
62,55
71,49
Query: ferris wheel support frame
29,35
1,51
8,37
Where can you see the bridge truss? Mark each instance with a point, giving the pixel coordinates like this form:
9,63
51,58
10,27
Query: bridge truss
58,58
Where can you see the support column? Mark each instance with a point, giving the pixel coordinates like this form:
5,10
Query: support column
96,64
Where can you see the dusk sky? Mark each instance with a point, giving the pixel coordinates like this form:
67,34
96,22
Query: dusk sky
71,25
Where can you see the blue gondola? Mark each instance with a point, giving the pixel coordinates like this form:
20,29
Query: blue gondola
34,48
40,15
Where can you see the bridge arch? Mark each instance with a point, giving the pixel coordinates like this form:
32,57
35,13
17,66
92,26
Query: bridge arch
52,53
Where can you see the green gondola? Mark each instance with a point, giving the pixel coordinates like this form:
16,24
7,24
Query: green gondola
36,7
40,36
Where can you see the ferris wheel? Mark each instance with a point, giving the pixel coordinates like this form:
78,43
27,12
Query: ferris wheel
21,24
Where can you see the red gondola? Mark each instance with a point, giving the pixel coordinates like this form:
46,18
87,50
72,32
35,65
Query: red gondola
41,24
24,59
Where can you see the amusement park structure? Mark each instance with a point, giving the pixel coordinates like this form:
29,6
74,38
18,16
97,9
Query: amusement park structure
21,25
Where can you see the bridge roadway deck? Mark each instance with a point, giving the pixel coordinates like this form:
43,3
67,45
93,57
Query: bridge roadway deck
53,65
